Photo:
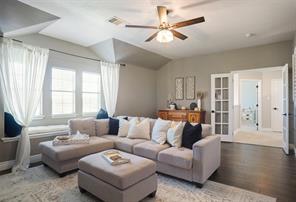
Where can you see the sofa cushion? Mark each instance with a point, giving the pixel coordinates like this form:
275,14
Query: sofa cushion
11,127
111,137
123,127
139,129
149,149
67,152
206,130
127,145
178,157
102,114
174,134
102,126
86,126
123,143
113,126
122,176
160,130
191,134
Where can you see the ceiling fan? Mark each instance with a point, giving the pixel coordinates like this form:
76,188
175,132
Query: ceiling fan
166,31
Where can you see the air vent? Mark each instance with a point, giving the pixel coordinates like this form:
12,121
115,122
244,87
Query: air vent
115,20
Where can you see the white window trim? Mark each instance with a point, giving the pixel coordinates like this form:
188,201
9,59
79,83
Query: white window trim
71,115
61,116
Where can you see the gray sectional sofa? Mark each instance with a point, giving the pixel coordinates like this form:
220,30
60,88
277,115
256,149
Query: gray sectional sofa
195,165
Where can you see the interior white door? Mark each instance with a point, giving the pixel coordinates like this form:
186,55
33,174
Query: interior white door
285,109
220,104
276,104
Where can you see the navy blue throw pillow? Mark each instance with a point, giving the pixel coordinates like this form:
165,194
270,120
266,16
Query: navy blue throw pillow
11,127
102,114
191,134
113,126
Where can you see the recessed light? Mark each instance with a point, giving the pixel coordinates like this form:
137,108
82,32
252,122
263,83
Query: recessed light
249,35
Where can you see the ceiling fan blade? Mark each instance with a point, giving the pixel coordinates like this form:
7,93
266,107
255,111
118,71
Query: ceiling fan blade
151,37
179,35
141,26
188,22
162,14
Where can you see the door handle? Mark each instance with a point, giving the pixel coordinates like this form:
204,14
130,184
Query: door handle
285,114
213,111
275,108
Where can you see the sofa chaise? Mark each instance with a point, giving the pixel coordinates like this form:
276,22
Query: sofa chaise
195,165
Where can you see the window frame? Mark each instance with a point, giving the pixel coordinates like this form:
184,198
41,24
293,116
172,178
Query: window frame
69,115
41,115
99,94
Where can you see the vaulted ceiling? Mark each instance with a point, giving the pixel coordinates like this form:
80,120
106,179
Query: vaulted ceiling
227,22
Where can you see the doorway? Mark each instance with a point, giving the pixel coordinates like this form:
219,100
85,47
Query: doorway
250,100
258,107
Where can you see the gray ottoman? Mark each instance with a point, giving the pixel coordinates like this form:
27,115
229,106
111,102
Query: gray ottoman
122,183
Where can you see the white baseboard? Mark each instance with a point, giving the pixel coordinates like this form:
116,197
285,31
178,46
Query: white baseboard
9,164
266,129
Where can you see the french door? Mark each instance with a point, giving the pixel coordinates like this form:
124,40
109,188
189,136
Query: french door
221,105
285,110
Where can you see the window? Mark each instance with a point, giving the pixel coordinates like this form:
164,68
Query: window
91,92
63,91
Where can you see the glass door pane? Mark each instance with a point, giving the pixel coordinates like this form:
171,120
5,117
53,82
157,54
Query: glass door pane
220,104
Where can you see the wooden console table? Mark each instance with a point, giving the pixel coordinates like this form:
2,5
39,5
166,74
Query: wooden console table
182,115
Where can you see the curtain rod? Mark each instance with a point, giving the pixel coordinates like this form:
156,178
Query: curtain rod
79,56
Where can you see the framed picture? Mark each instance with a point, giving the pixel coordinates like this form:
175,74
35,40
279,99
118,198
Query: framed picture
190,87
179,88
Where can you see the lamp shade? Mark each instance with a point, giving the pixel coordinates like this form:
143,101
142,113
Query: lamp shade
165,36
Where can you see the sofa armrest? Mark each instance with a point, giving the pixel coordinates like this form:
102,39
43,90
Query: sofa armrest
206,157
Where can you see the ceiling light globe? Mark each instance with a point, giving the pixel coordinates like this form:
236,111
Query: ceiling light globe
165,36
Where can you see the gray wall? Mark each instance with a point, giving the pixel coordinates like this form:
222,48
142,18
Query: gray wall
203,66
137,92
137,87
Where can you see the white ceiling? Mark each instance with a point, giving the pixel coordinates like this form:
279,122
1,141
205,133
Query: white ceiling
84,22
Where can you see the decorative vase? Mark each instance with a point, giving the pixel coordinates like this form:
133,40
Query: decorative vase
199,104
193,105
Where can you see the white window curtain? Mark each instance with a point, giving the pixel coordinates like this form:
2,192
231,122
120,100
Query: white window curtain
22,70
110,81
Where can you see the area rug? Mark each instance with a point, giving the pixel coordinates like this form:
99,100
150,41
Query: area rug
40,184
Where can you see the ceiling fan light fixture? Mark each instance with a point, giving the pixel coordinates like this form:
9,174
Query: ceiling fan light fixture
165,36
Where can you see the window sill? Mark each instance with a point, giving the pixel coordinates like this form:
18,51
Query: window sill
63,116
40,117
89,114
35,136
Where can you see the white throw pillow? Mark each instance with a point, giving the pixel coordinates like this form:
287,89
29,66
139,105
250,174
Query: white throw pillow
174,134
160,130
123,127
139,129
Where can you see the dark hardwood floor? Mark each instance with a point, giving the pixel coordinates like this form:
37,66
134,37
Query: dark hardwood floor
265,170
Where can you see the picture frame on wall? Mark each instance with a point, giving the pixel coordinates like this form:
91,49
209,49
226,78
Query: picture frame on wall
179,88
190,87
